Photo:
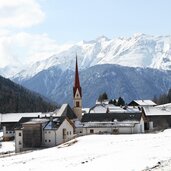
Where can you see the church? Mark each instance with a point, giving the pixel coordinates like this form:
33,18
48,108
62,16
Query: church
104,118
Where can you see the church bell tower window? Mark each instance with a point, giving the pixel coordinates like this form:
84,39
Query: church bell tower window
77,104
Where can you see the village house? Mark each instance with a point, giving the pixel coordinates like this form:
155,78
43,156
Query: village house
142,103
111,119
112,123
43,132
57,131
158,117
8,122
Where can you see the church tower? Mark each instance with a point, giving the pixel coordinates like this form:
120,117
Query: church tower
77,94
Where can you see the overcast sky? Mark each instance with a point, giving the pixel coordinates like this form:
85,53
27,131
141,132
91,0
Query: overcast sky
31,30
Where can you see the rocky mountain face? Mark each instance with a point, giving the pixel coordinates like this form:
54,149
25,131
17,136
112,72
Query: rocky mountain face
127,82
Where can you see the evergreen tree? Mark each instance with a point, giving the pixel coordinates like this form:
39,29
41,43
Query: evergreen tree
102,97
121,102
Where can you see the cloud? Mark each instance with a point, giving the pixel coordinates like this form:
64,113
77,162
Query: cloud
20,13
22,48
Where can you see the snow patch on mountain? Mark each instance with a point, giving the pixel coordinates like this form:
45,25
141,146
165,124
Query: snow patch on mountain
140,50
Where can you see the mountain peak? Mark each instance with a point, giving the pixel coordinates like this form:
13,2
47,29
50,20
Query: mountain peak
102,38
138,34
136,51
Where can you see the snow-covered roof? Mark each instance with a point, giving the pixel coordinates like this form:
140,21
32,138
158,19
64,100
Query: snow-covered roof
15,117
65,110
85,110
168,105
144,102
110,108
37,120
61,110
55,123
156,111
132,109
99,108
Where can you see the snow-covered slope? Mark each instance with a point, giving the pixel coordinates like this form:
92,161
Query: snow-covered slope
140,50
138,152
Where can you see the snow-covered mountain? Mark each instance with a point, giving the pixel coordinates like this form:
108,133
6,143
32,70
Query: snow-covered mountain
53,77
140,50
127,82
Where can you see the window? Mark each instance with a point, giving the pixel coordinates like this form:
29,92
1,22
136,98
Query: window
45,140
19,134
115,131
77,104
49,140
64,133
67,133
70,132
91,131
19,142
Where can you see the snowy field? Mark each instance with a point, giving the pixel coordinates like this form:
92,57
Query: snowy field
8,146
138,152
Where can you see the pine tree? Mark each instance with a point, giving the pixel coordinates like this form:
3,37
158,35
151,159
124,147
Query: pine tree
121,102
103,97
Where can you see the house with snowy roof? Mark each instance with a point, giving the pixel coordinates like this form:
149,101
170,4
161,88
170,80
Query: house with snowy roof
112,123
158,117
9,121
142,103
43,132
108,118
57,131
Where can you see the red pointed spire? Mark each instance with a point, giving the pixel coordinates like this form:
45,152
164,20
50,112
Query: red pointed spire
77,81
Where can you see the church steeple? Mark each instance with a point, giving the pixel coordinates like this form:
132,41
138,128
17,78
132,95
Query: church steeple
77,80
77,93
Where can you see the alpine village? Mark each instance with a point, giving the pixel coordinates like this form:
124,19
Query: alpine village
37,130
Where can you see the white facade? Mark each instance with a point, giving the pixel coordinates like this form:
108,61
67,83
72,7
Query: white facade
7,134
78,104
18,140
60,135
125,127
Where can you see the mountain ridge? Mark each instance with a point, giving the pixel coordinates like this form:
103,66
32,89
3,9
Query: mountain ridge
128,82
140,50
15,98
